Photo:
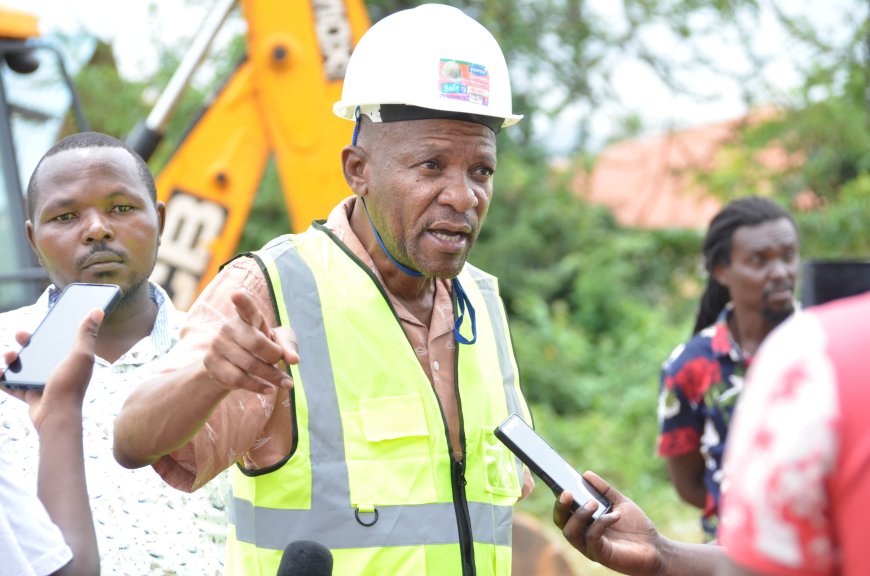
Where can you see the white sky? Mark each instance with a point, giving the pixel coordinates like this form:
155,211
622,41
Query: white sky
132,26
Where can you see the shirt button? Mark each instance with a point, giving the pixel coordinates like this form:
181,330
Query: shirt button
436,365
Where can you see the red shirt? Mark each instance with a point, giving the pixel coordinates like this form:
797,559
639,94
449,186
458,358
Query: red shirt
797,490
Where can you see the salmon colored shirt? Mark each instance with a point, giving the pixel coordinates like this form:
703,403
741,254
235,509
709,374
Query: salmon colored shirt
256,429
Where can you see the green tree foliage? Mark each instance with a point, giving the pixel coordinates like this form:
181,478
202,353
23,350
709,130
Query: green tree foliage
822,133
117,113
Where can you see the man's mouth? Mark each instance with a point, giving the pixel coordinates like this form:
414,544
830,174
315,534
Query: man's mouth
779,293
451,238
100,261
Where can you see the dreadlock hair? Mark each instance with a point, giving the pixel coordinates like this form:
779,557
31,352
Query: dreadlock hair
748,211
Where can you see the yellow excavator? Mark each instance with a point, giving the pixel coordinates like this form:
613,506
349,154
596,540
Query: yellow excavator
276,103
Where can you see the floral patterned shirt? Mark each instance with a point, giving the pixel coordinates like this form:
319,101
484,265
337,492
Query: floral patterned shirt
700,383
144,527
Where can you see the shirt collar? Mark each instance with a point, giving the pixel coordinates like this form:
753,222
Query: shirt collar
724,343
338,222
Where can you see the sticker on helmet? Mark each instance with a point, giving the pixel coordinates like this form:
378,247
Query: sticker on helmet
464,81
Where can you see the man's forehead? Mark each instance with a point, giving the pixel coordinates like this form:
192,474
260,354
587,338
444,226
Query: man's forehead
765,235
92,153
73,163
434,131
80,169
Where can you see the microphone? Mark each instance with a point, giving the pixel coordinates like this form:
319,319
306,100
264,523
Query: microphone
305,558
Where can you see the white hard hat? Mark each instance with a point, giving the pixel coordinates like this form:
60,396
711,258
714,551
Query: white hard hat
429,61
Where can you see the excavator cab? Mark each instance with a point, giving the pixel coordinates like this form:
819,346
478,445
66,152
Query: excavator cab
36,94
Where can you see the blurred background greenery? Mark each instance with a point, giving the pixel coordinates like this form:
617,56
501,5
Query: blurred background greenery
595,307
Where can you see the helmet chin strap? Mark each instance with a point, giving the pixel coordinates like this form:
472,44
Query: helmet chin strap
461,297
356,119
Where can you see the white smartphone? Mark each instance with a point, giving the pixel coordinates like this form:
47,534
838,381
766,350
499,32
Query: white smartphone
548,465
54,337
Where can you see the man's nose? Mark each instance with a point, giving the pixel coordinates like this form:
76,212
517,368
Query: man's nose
459,193
778,269
97,228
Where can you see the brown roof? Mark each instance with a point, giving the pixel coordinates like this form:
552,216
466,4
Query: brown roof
649,182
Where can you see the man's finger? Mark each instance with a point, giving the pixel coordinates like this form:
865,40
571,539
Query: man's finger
264,379
597,528
562,509
86,338
9,357
286,338
248,311
81,357
254,366
609,492
22,337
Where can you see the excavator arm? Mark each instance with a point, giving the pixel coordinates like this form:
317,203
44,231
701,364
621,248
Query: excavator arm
277,102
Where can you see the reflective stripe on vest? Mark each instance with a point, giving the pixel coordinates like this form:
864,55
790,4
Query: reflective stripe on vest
409,525
499,326
396,525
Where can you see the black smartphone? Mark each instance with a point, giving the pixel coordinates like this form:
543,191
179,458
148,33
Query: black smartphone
547,464
54,337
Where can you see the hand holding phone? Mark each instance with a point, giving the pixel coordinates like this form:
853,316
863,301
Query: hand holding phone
54,337
548,465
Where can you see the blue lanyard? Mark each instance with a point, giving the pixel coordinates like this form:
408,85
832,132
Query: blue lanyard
461,297
463,301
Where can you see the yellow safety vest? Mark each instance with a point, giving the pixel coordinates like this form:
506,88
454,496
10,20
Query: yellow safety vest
371,474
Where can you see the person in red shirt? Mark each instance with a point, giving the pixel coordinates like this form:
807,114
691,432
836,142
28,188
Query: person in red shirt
799,498
797,494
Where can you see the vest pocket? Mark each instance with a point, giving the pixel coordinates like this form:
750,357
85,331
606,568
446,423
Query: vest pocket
499,466
392,463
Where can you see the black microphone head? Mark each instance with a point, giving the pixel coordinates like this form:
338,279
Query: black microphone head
305,558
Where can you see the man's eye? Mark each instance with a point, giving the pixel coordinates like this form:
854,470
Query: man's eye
756,260
122,208
64,217
429,165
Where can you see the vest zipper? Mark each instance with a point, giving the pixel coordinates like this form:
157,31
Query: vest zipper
463,517
460,501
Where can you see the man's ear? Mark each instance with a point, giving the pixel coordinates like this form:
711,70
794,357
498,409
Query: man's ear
161,220
720,274
353,163
28,229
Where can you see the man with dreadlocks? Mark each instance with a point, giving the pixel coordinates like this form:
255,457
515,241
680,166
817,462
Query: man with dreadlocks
751,256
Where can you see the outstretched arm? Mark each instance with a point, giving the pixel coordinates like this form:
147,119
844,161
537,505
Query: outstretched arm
626,540
56,412
163,414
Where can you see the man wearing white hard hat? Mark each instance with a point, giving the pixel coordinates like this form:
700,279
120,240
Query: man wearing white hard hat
352,375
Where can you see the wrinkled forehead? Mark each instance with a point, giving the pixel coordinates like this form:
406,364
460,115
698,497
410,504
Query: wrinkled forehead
401,132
